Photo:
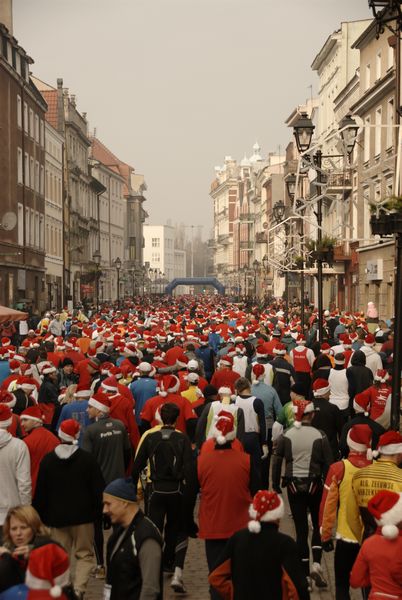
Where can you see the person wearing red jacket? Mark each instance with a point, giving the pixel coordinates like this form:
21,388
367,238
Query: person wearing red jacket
334,505
227,482
225,376
377,394
40,441
378,565
169,387
123,390
10,400
121,408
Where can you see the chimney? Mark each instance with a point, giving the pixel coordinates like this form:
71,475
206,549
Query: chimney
6,14
60,106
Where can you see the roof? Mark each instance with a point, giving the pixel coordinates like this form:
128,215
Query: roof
51,99
101,153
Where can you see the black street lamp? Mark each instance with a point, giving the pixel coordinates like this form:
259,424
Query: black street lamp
117,264
303,131
97,257
256,266
290,181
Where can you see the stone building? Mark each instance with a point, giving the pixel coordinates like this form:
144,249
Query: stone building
22,175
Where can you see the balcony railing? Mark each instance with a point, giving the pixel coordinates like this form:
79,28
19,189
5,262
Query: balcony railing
339,181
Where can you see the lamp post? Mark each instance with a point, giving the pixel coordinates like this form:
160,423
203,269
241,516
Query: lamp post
117,264
290,181
256,266
97,257
303,131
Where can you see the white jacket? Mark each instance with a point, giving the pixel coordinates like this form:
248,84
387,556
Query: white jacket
339,394
373,359
15,473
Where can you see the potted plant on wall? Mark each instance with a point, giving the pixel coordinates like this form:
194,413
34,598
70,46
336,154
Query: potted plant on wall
311,254
386,217
325,249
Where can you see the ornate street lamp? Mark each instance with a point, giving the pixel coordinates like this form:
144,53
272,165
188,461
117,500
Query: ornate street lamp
385,12
256,266
278,211
348,131
97,257
303,132
117,264
290,181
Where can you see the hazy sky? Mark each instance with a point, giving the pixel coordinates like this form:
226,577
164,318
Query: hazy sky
172,86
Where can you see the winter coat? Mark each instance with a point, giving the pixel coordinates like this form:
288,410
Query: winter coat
15,473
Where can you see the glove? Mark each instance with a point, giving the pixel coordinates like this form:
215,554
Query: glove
327,546
264,452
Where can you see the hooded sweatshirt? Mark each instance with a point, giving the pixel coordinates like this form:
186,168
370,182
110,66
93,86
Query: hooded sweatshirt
15,473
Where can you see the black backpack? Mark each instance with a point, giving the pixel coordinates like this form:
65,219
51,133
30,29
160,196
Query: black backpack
166,459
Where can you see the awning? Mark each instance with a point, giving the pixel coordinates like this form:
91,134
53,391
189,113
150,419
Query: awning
9,314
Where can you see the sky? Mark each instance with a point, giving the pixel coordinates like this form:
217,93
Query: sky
174,86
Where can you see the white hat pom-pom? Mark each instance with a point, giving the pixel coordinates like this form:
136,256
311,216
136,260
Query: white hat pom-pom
56,591
390,531
297,424
221,440
375,453
254,526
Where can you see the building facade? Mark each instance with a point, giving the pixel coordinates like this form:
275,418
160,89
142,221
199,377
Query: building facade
164,261
22,177
54,225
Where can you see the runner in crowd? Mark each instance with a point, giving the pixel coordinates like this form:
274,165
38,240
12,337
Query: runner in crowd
229,373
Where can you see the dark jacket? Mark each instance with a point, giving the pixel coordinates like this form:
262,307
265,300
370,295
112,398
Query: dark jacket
284,378
255,562
125,560
48,392
359,376
69,490
12,569
360,419
329,420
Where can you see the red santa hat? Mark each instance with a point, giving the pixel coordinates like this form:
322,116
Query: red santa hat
325,348
386,508
69,431
321,387
301,340
48,570
14,365
82,391
71,342
389,443
26,369
347,342
47,368
280,349
224,428
110,385
226,361
130,350
5,416
19,358
301,408
26,383
100,401
105,368
381,375
5,341
266,507
4,353
259,371
369,340
34,413
360,403
7,398
359,439
116,372
170,384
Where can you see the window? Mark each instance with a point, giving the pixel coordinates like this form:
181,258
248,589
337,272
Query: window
155,242
26,169
37,171
41,232
378,66
26,241
32,228
37,129
377,137
4,47
368,78
31,173
42,180
20,178
19,111
390,123
20,224
31,123
389,185
366,139
25,117
390,57
42,133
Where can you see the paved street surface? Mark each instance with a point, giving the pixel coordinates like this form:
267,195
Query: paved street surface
195,573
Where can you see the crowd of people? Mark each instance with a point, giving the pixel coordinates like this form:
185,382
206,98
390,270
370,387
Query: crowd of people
129,430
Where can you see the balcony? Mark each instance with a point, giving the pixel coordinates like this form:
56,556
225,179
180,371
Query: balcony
224,239
247,217
342,252
339,182
261,237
